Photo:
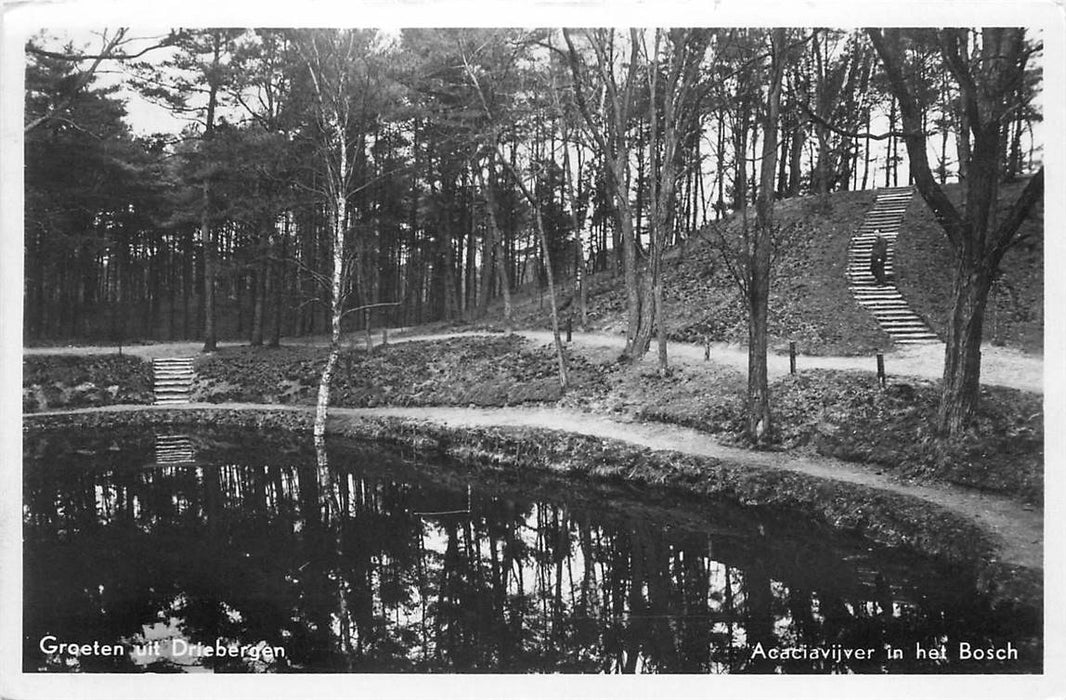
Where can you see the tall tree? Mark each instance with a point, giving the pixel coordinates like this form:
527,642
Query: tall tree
989,80
192,82
330,57
759,244
672,114
616,79
492,133
92,202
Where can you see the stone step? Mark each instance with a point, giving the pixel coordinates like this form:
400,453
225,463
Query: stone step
884,304
909,331
904,327
880,298
874,291
899,316
916,339
913,324
172,380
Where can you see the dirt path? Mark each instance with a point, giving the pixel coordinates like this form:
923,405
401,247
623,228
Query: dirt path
1017,529
999,366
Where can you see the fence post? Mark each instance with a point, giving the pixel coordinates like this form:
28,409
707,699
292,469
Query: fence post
791,357
881,370
706,348
384,336
569,328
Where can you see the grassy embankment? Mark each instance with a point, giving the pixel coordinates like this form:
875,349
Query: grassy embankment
72,381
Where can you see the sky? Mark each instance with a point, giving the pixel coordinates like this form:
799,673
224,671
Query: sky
144,117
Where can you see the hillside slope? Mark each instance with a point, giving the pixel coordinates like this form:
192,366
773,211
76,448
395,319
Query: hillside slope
810,302
924,264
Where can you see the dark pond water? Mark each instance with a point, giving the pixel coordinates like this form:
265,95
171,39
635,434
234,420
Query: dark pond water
245,552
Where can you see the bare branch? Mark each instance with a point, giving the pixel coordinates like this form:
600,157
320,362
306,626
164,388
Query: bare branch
83,80
857,134
365,307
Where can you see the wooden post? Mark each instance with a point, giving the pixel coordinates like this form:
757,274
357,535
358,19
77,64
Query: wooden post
706,348
881,370
569,328
792,357
384,336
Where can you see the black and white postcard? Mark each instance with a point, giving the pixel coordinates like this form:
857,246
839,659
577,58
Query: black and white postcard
452,350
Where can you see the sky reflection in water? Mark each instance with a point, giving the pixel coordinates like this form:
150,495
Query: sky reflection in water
363,561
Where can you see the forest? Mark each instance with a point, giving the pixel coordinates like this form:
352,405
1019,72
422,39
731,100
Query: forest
336,179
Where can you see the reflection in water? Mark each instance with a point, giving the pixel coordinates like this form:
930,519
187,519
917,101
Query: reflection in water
174,449
356,560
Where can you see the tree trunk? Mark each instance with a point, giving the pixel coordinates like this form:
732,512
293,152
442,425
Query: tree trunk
488,256
259,295
962,356
759,426
206,234
564,375
795,160
279,284
210,272
578,221
660,316
500,254
337,230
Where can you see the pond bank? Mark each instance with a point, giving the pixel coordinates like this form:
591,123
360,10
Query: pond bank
1001,539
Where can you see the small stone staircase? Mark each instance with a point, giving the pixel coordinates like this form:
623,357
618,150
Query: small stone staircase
884,301
173,380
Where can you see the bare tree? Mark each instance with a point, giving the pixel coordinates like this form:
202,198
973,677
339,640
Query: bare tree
989,81
328,55
492,141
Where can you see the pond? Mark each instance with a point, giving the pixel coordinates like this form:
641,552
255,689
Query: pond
214,551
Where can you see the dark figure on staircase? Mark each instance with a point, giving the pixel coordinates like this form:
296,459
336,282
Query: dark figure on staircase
878,258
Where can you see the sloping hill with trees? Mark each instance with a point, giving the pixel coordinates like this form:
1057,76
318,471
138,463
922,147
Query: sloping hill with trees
810,303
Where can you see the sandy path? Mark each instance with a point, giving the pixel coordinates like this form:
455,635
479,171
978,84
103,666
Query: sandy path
999,366
1016,529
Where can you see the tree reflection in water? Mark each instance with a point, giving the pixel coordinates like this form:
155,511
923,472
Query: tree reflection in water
360,560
